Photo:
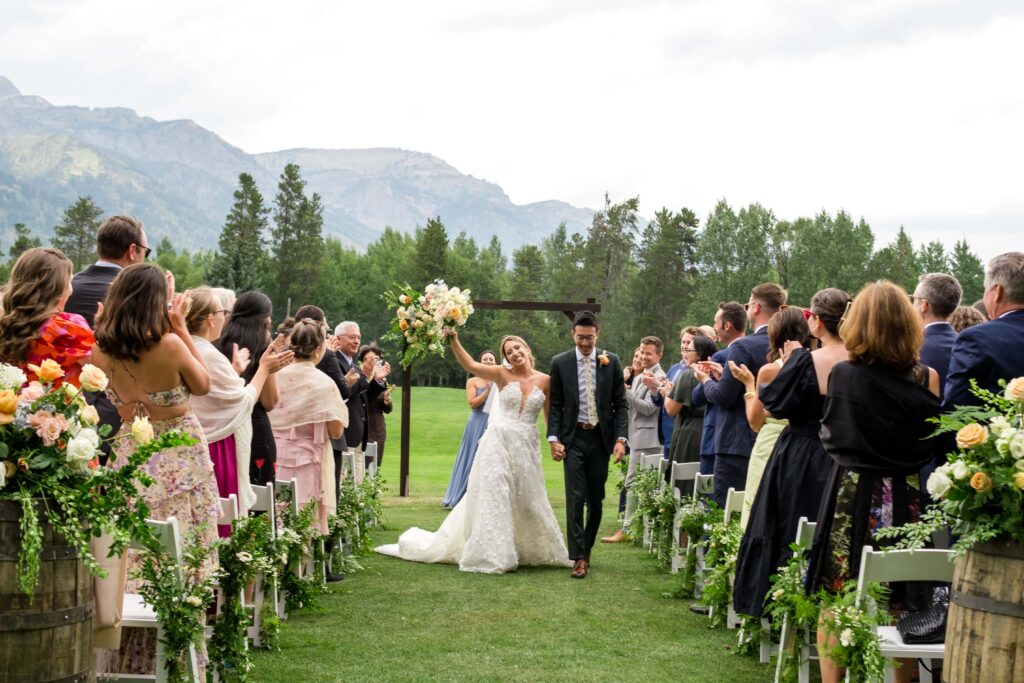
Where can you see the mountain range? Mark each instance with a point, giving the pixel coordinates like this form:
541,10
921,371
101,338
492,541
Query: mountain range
178,178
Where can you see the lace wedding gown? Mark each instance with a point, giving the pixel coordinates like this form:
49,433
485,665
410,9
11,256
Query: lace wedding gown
505,519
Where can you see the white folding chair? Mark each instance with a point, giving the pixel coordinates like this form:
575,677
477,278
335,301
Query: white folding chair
348,464
788,638
733,503
370,454
228,514
265,505
654,462
285,498
703,487
681,472
135,613
904,565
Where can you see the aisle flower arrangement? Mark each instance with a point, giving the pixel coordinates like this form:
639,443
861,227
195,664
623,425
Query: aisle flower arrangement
980,490
422,318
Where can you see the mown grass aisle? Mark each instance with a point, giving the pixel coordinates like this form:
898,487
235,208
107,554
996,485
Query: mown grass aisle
404,621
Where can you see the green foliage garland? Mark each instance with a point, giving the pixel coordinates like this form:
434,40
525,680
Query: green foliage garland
645,491
720,562
298,539
788,600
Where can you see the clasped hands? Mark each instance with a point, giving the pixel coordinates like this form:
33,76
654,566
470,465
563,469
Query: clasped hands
558,451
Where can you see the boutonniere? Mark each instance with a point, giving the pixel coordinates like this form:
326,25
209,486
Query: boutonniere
603,359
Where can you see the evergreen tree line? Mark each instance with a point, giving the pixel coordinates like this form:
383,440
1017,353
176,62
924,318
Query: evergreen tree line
650,279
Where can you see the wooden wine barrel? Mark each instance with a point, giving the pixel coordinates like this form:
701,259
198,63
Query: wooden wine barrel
47,637
985,631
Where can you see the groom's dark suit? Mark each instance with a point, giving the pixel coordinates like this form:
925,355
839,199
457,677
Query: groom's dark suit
587,451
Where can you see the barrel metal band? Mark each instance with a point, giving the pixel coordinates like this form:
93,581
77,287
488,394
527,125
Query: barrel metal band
983,604
52,552
40,620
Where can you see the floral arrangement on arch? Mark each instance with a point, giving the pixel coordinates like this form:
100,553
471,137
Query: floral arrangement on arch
422,319
980,490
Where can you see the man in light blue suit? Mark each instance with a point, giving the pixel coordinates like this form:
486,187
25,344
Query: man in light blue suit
993,350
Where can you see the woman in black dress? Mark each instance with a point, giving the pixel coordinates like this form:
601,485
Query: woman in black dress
795,476
249,328
874,429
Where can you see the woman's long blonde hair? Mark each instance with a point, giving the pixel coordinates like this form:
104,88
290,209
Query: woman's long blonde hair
882,328
39,279
515,338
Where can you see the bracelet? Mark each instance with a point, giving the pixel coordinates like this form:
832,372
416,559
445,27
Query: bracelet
749,395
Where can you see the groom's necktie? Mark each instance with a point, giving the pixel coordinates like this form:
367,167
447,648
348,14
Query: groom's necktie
588,378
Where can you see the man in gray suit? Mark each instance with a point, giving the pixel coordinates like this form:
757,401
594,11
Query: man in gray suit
643,408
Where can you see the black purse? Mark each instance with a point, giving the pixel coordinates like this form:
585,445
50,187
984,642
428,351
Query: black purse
926,626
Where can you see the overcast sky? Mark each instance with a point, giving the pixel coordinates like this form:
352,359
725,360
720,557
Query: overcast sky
901,111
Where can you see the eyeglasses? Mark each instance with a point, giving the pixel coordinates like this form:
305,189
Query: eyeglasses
146,250
914,298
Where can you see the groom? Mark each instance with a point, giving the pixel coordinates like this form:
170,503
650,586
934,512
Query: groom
587,421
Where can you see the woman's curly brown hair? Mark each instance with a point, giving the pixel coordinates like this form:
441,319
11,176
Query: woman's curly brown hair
38,281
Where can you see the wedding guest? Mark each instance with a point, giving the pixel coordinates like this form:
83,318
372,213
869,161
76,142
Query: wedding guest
225,412
308,414
936,297
679,403
360,389
35,326
874,427
964,317
478,391
370,357
667,423
979,306
248,328
787,330
634,369
992,351
795,476
153,368
120,242
733,437
643,405
730,325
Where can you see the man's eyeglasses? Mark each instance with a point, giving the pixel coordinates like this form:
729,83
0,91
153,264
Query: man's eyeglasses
146,250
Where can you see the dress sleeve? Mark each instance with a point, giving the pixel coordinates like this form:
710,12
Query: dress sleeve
67,339
785,396
682,391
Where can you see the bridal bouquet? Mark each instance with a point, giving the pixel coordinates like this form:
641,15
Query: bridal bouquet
980,491
49,465
421,318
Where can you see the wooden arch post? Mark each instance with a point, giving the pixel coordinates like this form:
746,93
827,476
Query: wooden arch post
570,310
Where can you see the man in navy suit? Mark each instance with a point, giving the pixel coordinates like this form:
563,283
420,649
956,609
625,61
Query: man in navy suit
730,325
993,350
936,297
733,436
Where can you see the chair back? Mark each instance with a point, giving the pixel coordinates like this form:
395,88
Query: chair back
348,464
370,453
703,485
902,565
228,510
683,471
805,532
733,503
285,492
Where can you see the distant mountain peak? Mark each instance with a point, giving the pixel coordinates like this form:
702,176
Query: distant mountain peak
7,89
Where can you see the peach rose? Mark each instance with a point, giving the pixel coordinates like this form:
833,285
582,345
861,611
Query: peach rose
48,371
1018,480
603,359
31,392
48,426
6,419
8,401
92,378
972,435
405,299
981,482
1015,389
403,325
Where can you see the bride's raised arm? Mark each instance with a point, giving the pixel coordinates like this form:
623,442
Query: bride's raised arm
491,373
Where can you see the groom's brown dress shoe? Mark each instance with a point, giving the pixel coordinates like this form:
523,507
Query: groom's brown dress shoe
618,537
579,570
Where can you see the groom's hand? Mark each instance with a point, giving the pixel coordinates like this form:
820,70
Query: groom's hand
557,451
618,452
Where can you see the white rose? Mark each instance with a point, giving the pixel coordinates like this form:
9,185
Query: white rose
960,470
998,425
194,601
1019,465
1017,447
939,483
89,415
778,594
846,637
83,447
92,378
142,431
11,377
244,557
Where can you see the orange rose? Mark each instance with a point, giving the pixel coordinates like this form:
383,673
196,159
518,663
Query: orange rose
403,325
405,299
8,401
603,359
972,435
48,371
1015,389
981,482
6,419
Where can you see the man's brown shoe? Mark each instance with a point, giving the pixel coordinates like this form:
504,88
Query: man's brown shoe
579,570
618,537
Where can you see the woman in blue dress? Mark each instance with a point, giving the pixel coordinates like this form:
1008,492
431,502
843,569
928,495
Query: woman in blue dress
477,392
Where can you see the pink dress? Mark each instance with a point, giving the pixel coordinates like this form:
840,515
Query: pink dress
299,455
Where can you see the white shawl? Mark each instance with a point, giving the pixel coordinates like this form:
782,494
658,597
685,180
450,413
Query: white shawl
227,410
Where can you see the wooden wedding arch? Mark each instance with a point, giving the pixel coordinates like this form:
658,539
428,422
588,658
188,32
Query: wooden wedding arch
570,310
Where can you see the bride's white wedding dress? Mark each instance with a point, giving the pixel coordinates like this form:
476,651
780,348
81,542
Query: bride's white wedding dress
505,519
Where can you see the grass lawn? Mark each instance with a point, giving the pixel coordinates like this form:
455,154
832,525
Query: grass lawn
404,621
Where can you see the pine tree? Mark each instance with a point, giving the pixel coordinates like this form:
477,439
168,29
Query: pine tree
242,260
966,267
664,285
931,258
76,234
430,258
23,241
297,240
896,262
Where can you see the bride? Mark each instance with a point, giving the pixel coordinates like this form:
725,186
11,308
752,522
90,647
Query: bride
505,519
